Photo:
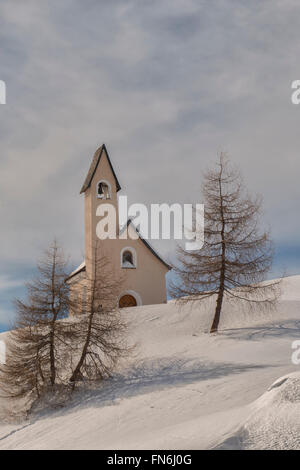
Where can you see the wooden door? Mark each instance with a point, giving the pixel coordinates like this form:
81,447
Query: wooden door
127,300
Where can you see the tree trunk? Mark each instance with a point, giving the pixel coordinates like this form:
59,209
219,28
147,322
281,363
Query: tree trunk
88,335
53,293
216,321
52,358
84,352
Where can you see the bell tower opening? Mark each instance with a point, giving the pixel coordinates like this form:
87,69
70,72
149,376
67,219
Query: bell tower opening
103,190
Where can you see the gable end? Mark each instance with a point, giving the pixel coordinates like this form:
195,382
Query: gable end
147,244
93,168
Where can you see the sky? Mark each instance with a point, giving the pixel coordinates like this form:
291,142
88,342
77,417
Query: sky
167,85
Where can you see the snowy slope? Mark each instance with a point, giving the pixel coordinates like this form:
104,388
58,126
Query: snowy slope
184,389
274,421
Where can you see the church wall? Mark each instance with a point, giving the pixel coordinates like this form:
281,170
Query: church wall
148,279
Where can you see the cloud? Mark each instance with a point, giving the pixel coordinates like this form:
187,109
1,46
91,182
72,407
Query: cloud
166,85
5,319
9,283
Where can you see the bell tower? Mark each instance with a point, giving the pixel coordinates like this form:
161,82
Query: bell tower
100,187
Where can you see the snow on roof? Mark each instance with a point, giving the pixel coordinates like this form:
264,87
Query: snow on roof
77,270
130,221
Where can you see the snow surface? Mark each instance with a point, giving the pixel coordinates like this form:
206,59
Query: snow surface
186,389
274,423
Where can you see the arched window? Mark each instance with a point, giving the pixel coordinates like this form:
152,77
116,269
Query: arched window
128,258
103,190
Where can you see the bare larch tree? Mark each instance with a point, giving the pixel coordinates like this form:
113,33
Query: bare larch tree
100,327
236,256
36,353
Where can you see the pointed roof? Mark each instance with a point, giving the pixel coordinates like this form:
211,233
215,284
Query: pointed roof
95,162
78,270
146,243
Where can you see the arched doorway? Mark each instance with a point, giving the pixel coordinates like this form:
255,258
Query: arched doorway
127,300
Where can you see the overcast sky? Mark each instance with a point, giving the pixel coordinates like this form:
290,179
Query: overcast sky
166,84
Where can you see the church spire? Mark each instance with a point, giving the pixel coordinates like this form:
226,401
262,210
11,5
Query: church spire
94,165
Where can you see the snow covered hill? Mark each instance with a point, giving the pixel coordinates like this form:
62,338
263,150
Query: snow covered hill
274,421
185,389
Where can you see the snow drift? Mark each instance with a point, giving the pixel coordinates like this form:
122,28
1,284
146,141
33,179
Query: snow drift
274,423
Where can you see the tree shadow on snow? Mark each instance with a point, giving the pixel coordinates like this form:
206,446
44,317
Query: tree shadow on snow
156,375
281,329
